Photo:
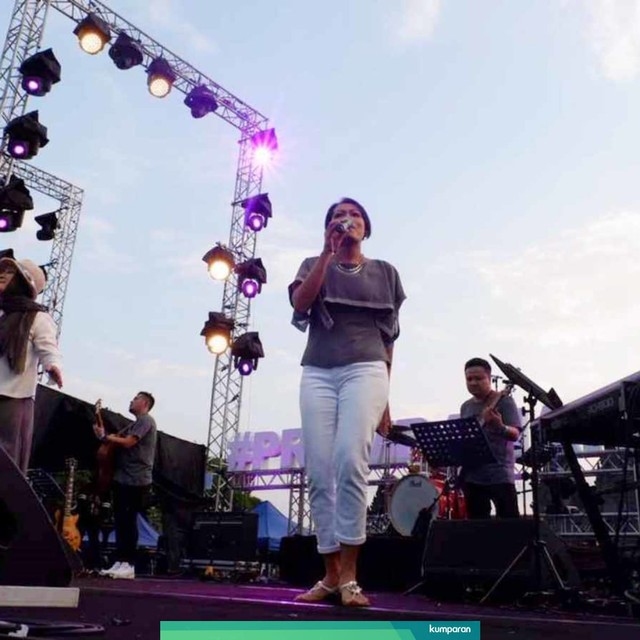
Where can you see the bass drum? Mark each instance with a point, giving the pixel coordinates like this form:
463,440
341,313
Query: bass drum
408,497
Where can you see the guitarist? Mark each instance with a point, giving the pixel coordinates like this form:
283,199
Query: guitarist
500,418
134,455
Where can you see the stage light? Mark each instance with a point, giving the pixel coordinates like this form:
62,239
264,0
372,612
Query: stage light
10,220
160,78
26,136
246,350
201,101
257,211
251,276
265,145
219,261
125,52
39,72
217,332
49,224
93,34
15,199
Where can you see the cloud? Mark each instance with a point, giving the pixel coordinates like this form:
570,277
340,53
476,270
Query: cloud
416,20
99,250
154,368
566,306
614,32
165,14
575,288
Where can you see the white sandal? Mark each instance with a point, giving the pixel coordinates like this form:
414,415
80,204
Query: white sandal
352,596
317,593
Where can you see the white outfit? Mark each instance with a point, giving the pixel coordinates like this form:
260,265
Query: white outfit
42,347
337,447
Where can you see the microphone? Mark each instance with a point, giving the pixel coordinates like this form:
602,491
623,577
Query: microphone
344,226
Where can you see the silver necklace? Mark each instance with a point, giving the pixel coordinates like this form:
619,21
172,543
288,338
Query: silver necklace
352,270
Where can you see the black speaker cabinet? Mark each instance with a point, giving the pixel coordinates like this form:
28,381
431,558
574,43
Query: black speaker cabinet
463,554
31,551
223,537
386,563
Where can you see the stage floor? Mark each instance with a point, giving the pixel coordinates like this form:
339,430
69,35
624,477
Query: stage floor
133,609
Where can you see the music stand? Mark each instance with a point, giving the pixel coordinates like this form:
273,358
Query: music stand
453,443
537,546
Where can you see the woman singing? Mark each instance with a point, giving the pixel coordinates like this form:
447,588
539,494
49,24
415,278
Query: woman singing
350,304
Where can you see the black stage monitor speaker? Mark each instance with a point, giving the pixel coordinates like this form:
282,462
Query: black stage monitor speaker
468,554
386,563
31,551
226,537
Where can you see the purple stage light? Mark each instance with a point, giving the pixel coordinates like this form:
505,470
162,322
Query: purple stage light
245,367
265,146
262,156
250,288
4,223
25,136
255,221
18,148
201,101
32,85
39,72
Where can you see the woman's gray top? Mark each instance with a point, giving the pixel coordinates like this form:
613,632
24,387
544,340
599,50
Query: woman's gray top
355,316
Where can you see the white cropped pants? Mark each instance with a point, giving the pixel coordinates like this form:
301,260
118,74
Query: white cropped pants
340,408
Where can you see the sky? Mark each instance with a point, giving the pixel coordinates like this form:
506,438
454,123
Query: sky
494,145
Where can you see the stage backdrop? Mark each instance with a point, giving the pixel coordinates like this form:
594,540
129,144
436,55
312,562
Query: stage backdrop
63,429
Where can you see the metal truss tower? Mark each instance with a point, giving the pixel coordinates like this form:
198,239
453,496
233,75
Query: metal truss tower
25,34
26,29
70,199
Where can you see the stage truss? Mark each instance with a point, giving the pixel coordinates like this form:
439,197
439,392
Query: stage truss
24,38
69,198
604,465
296,482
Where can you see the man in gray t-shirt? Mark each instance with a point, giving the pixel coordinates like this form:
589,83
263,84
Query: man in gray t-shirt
500,418
134,455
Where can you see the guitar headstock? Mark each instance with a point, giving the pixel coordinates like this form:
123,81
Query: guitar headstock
71,464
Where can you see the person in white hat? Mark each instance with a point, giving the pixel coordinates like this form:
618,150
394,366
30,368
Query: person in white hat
27,338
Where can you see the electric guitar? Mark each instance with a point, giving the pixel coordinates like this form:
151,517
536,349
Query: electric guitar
495,398
66,522
498,395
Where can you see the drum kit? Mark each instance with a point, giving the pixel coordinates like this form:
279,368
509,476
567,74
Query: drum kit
422,494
